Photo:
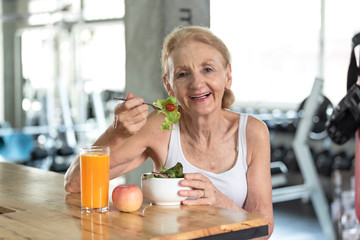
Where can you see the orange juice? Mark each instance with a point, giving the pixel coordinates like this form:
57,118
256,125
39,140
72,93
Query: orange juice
94,167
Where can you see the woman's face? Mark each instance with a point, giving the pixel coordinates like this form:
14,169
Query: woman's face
197,77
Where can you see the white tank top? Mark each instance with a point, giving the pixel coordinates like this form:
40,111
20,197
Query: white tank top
233,182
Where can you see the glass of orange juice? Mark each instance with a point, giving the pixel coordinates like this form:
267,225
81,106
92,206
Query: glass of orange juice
94,168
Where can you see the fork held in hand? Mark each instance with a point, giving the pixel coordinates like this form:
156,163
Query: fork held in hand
152,105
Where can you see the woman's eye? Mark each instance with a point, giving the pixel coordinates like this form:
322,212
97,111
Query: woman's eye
181,74
208,69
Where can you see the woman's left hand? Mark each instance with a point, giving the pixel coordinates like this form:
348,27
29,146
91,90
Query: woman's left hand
203,193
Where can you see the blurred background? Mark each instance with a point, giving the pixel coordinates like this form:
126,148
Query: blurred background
62,61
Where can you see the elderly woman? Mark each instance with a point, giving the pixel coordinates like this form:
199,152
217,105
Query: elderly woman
225,155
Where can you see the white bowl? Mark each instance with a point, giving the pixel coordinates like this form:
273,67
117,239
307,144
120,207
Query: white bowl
162,191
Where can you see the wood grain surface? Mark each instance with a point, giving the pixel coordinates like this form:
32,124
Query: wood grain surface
34,205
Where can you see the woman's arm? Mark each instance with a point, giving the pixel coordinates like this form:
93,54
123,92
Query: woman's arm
259,197
150,141
131,117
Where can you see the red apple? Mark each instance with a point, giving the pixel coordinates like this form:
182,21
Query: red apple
127,197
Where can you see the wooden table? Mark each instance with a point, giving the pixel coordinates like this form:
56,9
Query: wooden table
34,205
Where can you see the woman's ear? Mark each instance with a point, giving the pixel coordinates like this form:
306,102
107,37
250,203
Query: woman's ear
228,82
167,86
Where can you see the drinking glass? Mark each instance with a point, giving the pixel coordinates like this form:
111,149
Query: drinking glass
94,168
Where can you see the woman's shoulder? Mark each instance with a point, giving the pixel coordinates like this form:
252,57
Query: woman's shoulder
257,141
152,130
156,118
157,139
256,128
154,122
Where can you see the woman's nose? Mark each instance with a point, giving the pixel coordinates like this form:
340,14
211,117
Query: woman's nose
196,80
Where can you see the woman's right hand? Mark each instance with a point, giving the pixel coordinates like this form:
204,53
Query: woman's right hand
130,116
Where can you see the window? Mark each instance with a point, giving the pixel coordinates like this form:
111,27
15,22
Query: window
276,48
96,48
46,11
104,9
101,53
85,56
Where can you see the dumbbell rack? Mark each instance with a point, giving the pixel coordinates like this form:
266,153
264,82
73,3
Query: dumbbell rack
311,188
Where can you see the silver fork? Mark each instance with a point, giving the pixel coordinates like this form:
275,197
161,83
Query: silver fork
150,104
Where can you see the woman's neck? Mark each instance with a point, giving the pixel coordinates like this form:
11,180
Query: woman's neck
198,127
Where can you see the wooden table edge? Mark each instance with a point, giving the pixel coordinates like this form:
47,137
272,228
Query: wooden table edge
246,231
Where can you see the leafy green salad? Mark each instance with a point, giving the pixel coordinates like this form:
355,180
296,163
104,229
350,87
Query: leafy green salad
174,172
169,107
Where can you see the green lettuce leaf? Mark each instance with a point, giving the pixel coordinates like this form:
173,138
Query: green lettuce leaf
171,117
174,172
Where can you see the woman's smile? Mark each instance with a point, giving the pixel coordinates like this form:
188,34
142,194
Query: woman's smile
200,97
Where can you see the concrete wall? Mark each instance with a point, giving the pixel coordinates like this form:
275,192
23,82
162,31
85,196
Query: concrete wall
2,111
10,83
7,75
146,24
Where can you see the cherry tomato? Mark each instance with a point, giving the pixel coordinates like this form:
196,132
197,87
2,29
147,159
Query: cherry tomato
170,107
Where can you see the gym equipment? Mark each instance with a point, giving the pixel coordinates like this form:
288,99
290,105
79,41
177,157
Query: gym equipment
279,126
342,161
290,160
270,123
311,188
62,158
278,174
290,126
345,120
357,174
2,142
39,153
278,153
16,147
321,116
59,167
279,121
65,151
323,162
